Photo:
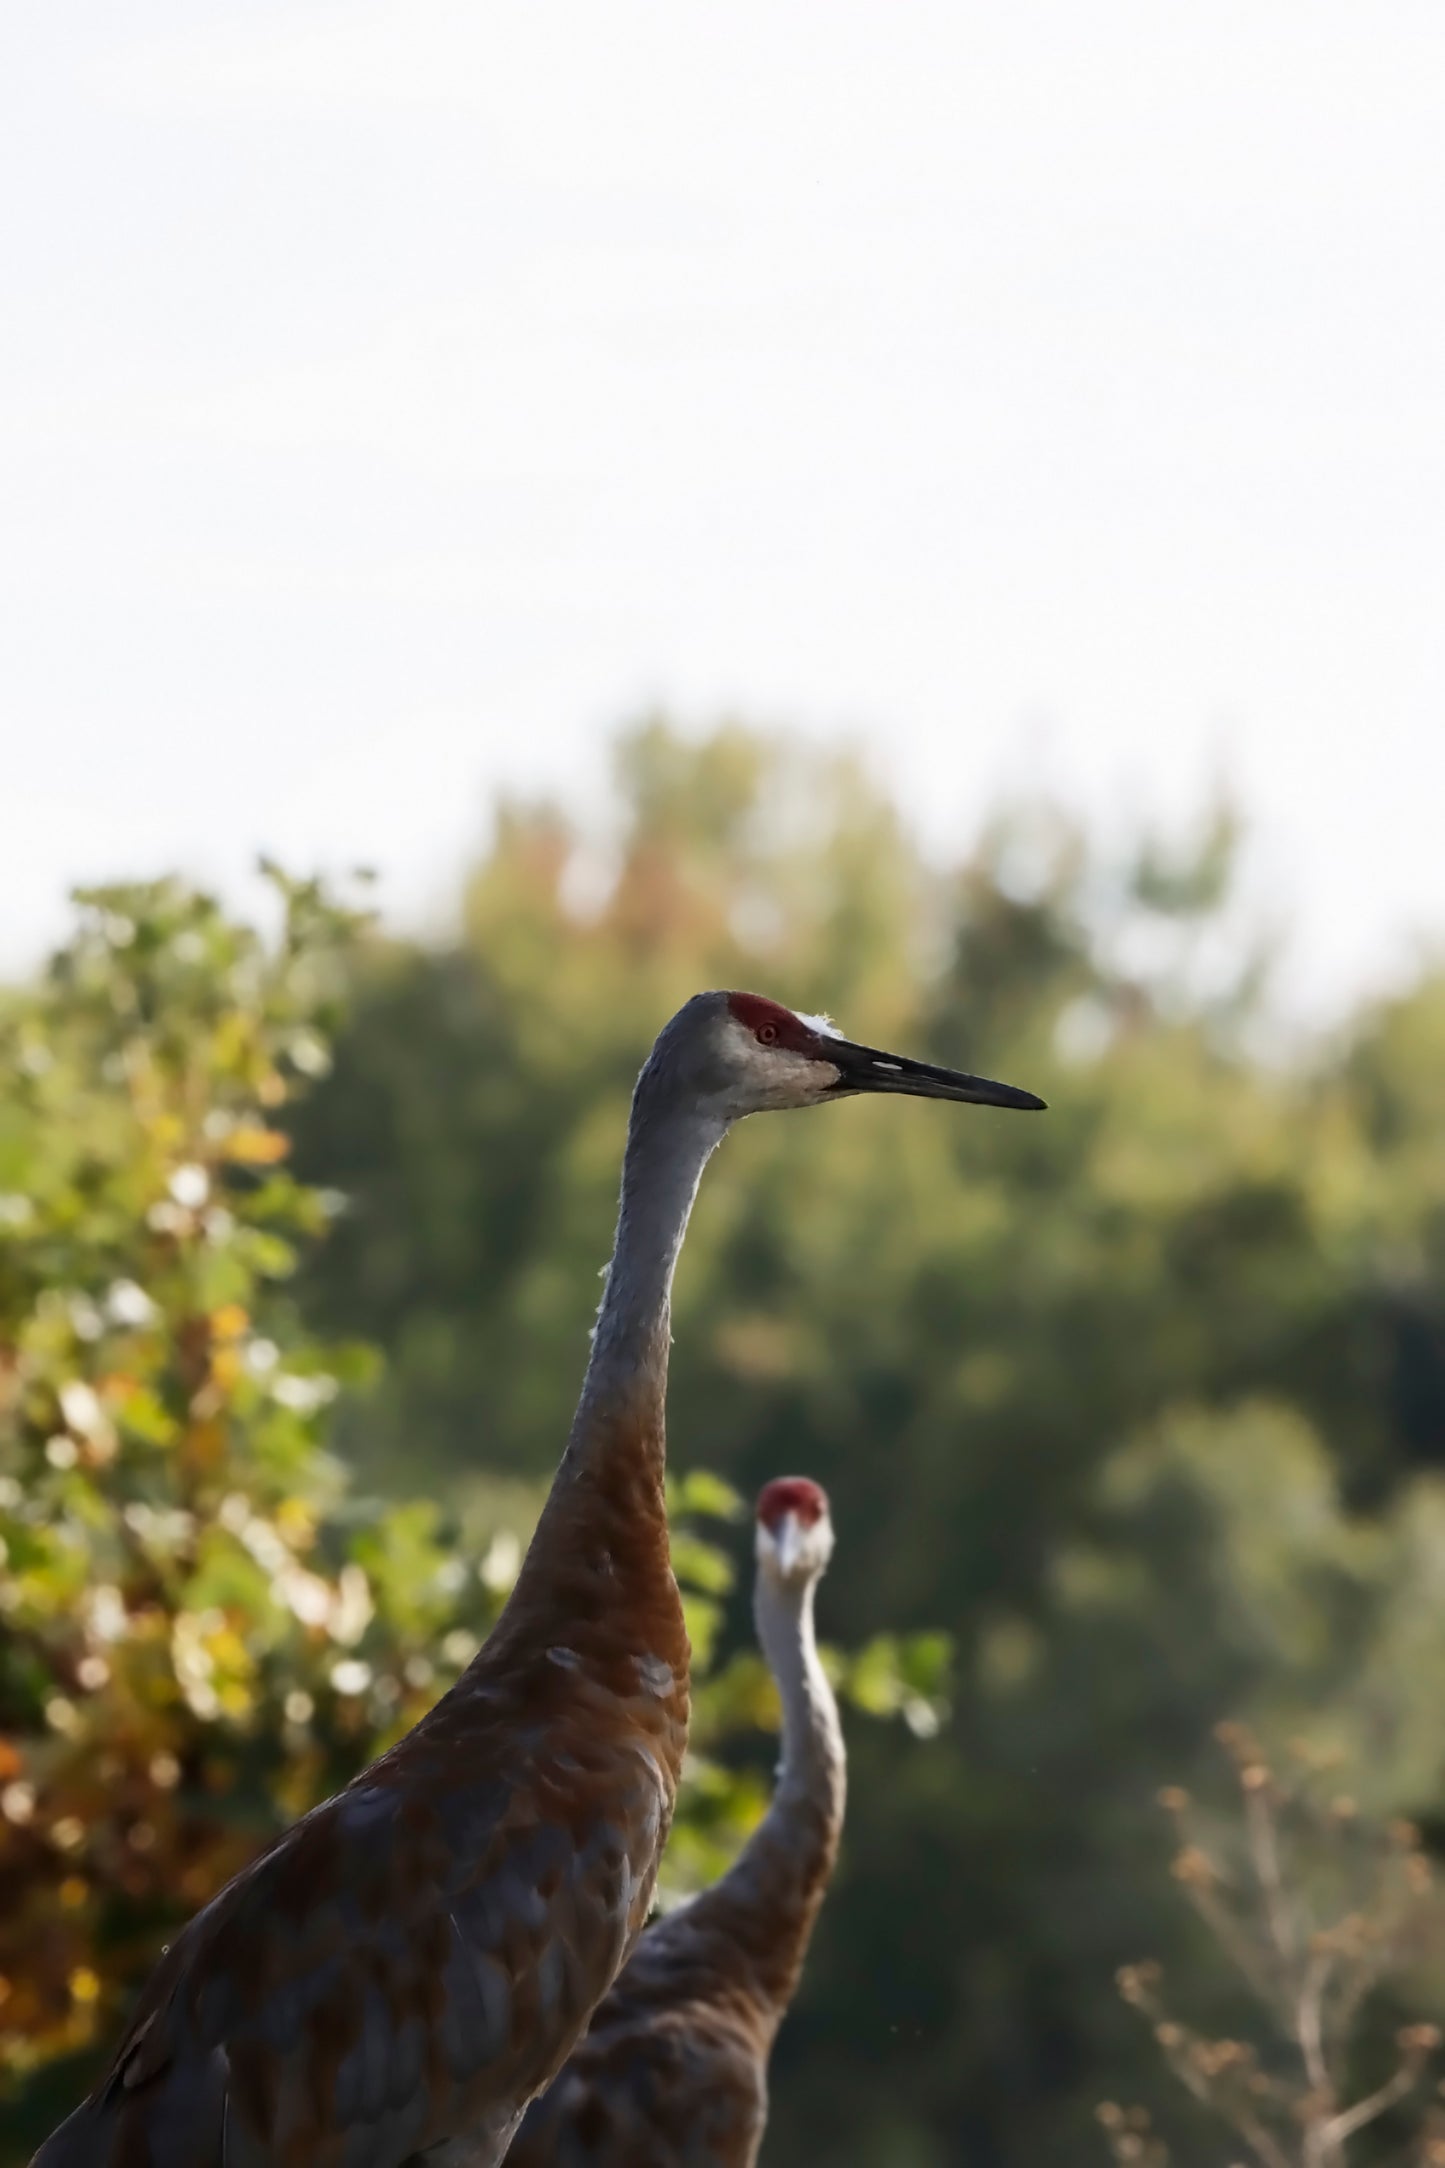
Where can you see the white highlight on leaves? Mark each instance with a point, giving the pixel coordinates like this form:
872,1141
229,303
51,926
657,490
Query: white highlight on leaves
81,1409
129,1304
352,1611
304,1395
107,1612
266,1545
86,1321
501,1562
305,1595
190,1186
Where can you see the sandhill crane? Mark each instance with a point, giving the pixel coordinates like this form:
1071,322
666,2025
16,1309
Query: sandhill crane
673,2070
403,1970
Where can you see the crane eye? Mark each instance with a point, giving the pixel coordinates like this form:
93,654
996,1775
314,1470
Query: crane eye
767,1034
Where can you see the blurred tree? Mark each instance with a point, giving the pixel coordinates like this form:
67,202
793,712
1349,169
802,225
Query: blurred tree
1206,1261
202,1628
1321,1912
199,1633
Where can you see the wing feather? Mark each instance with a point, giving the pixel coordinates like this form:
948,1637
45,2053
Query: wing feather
347,1999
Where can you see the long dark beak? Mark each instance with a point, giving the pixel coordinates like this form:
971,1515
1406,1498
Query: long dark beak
864,1069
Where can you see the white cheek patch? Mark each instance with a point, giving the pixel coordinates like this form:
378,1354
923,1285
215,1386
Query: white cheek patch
777,1069
798,1073
823,1025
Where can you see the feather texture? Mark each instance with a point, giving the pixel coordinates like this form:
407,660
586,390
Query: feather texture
673,2070
402,1972
410,1962
409,1965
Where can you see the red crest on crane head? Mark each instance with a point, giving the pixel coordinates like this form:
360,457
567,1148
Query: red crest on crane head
773,1025
796,1494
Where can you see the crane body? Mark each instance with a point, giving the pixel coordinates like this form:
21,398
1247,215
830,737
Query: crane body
392,1982
672,2072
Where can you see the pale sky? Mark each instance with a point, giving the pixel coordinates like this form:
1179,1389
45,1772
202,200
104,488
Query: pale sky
395,396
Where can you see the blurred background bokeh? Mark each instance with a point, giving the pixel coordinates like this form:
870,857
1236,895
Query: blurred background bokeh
932,513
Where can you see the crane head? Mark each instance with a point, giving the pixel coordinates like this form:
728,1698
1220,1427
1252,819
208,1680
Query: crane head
794,1528
803,1060
733,1054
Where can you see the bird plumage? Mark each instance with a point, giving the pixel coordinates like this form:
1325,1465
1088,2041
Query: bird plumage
402,1971
672,2072
410,1962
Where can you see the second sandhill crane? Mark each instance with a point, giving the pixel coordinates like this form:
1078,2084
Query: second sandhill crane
409,1965
673,2071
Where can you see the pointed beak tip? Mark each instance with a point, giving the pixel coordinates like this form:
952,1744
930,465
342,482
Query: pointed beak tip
864,1069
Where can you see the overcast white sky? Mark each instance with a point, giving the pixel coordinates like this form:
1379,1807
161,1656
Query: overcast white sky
394,396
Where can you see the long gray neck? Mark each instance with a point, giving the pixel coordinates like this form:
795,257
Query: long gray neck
666,1153
812,1762
751,1928
604,1525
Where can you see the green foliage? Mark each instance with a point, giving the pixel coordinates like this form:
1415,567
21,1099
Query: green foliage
199,1633
1133,1415
203,1628
1140,1401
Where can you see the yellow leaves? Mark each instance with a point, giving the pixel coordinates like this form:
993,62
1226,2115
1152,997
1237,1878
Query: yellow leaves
165,1130
229,1323
214,1667
252,1146
228,1651
140,1412
205,1448
158,1204
297,1523
227,1369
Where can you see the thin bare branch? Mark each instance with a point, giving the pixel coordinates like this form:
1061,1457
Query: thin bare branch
1345,2124
1264,1855
1309,2018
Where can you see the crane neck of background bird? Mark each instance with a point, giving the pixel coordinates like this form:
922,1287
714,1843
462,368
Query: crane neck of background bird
812,1748
752,1927
667,1149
